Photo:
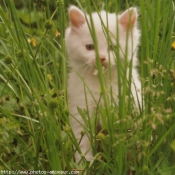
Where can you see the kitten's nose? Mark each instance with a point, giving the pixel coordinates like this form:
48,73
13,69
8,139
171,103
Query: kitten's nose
102,59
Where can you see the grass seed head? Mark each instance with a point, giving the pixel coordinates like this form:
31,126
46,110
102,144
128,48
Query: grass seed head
8,60
48,24
53,103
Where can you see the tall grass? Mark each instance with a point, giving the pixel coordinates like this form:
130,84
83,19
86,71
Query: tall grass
34,117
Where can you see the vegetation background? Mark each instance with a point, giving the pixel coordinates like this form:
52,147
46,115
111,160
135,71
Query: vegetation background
34,116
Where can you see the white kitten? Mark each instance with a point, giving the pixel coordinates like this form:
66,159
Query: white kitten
123,31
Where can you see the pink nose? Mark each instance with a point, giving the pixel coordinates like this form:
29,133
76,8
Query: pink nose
102,59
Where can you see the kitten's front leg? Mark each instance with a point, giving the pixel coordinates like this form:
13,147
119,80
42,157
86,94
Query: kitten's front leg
77,125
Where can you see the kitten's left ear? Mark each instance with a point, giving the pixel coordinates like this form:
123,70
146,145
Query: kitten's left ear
76,16
128,18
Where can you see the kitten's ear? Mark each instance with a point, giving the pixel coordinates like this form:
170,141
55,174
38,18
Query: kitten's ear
76,16
128,18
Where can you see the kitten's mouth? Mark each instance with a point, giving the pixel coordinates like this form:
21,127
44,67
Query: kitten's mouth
104,68
104,64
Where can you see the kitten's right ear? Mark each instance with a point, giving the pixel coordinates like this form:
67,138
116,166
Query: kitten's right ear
128,18
76,16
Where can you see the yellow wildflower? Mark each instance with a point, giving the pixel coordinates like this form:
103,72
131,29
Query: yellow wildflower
32,41
173,45
57,33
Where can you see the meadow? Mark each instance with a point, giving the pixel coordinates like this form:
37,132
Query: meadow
34,117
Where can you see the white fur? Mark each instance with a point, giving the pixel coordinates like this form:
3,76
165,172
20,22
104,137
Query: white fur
82,61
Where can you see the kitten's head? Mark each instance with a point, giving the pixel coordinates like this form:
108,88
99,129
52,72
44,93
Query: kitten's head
122,30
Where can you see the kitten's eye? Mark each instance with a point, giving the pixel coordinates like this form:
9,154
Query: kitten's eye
90,47
112,47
